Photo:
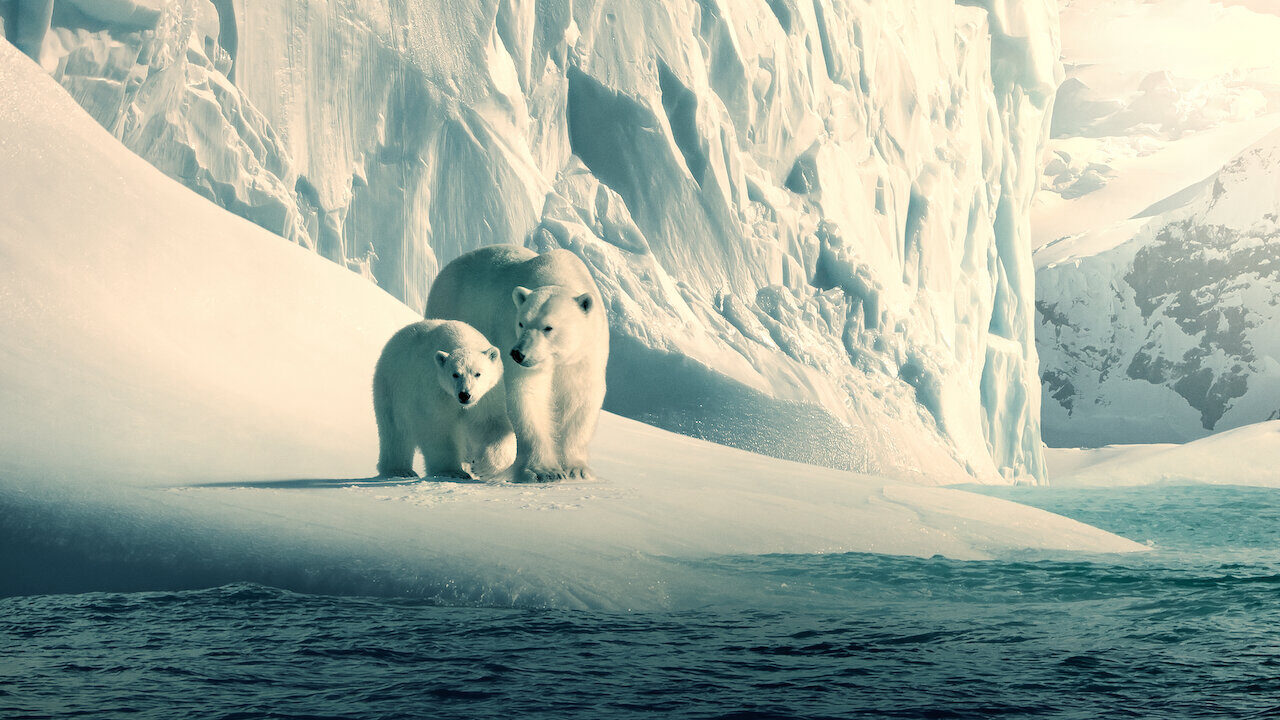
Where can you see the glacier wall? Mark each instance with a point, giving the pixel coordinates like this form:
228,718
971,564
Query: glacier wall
809,218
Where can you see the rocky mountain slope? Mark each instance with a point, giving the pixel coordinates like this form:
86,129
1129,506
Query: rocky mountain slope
1174,332
1156,282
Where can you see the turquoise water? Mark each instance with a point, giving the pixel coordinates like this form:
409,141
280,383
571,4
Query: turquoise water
1191,629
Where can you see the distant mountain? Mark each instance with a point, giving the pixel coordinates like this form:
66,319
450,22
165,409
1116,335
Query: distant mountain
1167,328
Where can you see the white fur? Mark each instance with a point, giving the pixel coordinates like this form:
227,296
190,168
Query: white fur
512,295
426,372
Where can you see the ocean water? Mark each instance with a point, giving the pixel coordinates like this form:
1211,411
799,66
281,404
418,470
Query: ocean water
1189,630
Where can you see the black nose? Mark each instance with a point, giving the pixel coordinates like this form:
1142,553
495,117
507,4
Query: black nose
464,398
517,356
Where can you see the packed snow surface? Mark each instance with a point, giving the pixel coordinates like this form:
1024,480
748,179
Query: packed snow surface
186,402
810,213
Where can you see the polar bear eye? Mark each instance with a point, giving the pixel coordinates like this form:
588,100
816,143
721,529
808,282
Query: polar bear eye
456,375
546,329
520,324
477,374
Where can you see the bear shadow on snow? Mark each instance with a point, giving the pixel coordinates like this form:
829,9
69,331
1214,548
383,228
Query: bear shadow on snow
375,481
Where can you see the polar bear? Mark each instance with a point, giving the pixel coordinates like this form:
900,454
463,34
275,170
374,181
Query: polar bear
438,387
544,312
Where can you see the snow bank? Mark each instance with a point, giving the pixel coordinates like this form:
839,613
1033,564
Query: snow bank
810,211
185,402
1248,455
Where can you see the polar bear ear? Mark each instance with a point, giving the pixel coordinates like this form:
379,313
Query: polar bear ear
492,354
584,301
520,294
441,357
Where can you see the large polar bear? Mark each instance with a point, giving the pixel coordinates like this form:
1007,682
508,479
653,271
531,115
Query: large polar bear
438,388
544,312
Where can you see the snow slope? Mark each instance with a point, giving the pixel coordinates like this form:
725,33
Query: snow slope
184,401
1135,184
808,213
1248,455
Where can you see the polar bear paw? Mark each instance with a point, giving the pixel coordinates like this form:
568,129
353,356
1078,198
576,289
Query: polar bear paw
540,474
451,474
579,472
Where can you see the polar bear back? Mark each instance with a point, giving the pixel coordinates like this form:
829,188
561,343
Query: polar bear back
426,337
476,287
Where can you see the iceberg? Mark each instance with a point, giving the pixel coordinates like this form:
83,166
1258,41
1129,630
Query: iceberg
810,215
186,402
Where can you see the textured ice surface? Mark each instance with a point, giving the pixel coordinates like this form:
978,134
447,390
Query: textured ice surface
186,402
808,218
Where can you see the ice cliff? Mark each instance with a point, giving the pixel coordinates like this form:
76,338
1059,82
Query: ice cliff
809,218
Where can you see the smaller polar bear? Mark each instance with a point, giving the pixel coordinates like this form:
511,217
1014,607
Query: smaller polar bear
438,387
545,312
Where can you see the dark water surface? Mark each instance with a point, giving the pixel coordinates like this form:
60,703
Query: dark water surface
1191,629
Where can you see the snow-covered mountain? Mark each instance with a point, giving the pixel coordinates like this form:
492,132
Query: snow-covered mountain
809,218
1157,285
1167,328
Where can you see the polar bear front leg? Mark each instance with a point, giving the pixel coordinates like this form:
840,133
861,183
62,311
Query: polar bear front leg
581,416
395,446
529,407
443,458
395,454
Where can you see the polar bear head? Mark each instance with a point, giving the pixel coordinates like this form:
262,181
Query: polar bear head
551,324
467,375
